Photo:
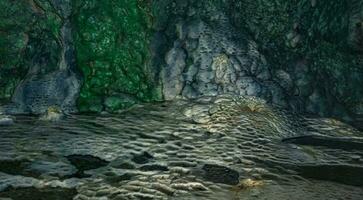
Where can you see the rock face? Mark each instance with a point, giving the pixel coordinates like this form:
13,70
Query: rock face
36,95
294,59
306,56
51,79
210,57
112,43
315,42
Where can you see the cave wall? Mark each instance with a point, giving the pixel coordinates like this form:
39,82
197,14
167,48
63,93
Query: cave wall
318,43
301,54
38,64
208,55
13,42
304,55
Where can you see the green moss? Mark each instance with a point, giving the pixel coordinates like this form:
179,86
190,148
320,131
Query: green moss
13,41
117,103
112,39
29,34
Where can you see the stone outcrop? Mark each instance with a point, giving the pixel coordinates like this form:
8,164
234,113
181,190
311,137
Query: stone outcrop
305,56
51,79
294,59
210,57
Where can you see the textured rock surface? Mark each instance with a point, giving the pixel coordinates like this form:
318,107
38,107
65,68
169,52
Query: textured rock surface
315,42
13,43
112,42
182,150
6,120
305,55
209,56
48,57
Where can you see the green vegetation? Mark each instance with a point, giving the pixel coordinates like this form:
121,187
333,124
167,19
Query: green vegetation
29,32
112,41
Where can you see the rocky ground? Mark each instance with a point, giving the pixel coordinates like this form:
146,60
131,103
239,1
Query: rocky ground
211,148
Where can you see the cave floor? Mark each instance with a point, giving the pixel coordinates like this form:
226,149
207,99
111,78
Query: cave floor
210,148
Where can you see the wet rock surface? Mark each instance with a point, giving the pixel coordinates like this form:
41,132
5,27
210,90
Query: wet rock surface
331,142
142,158
85,162
6,121
209,148
346,174
14,167
220,174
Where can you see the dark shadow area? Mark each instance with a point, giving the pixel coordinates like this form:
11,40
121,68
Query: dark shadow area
345,174
84,163
220,174
17,167
326,141
32,193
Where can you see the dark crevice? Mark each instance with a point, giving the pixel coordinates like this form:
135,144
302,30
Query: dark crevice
32,193
326,141
84,163
344,174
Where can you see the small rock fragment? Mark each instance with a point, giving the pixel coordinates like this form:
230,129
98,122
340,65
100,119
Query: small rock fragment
164,189
6,121
220,174
142,158
192,186
249,183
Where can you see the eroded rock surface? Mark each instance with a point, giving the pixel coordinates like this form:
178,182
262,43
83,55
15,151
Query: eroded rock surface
51,78
228,147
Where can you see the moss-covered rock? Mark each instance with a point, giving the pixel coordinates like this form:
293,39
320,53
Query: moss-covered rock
112,42
13,44
30,37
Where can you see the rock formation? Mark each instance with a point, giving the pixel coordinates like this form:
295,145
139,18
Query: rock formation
51,78
106,56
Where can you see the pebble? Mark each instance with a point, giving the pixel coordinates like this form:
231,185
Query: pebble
6,121
189,186
356,158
